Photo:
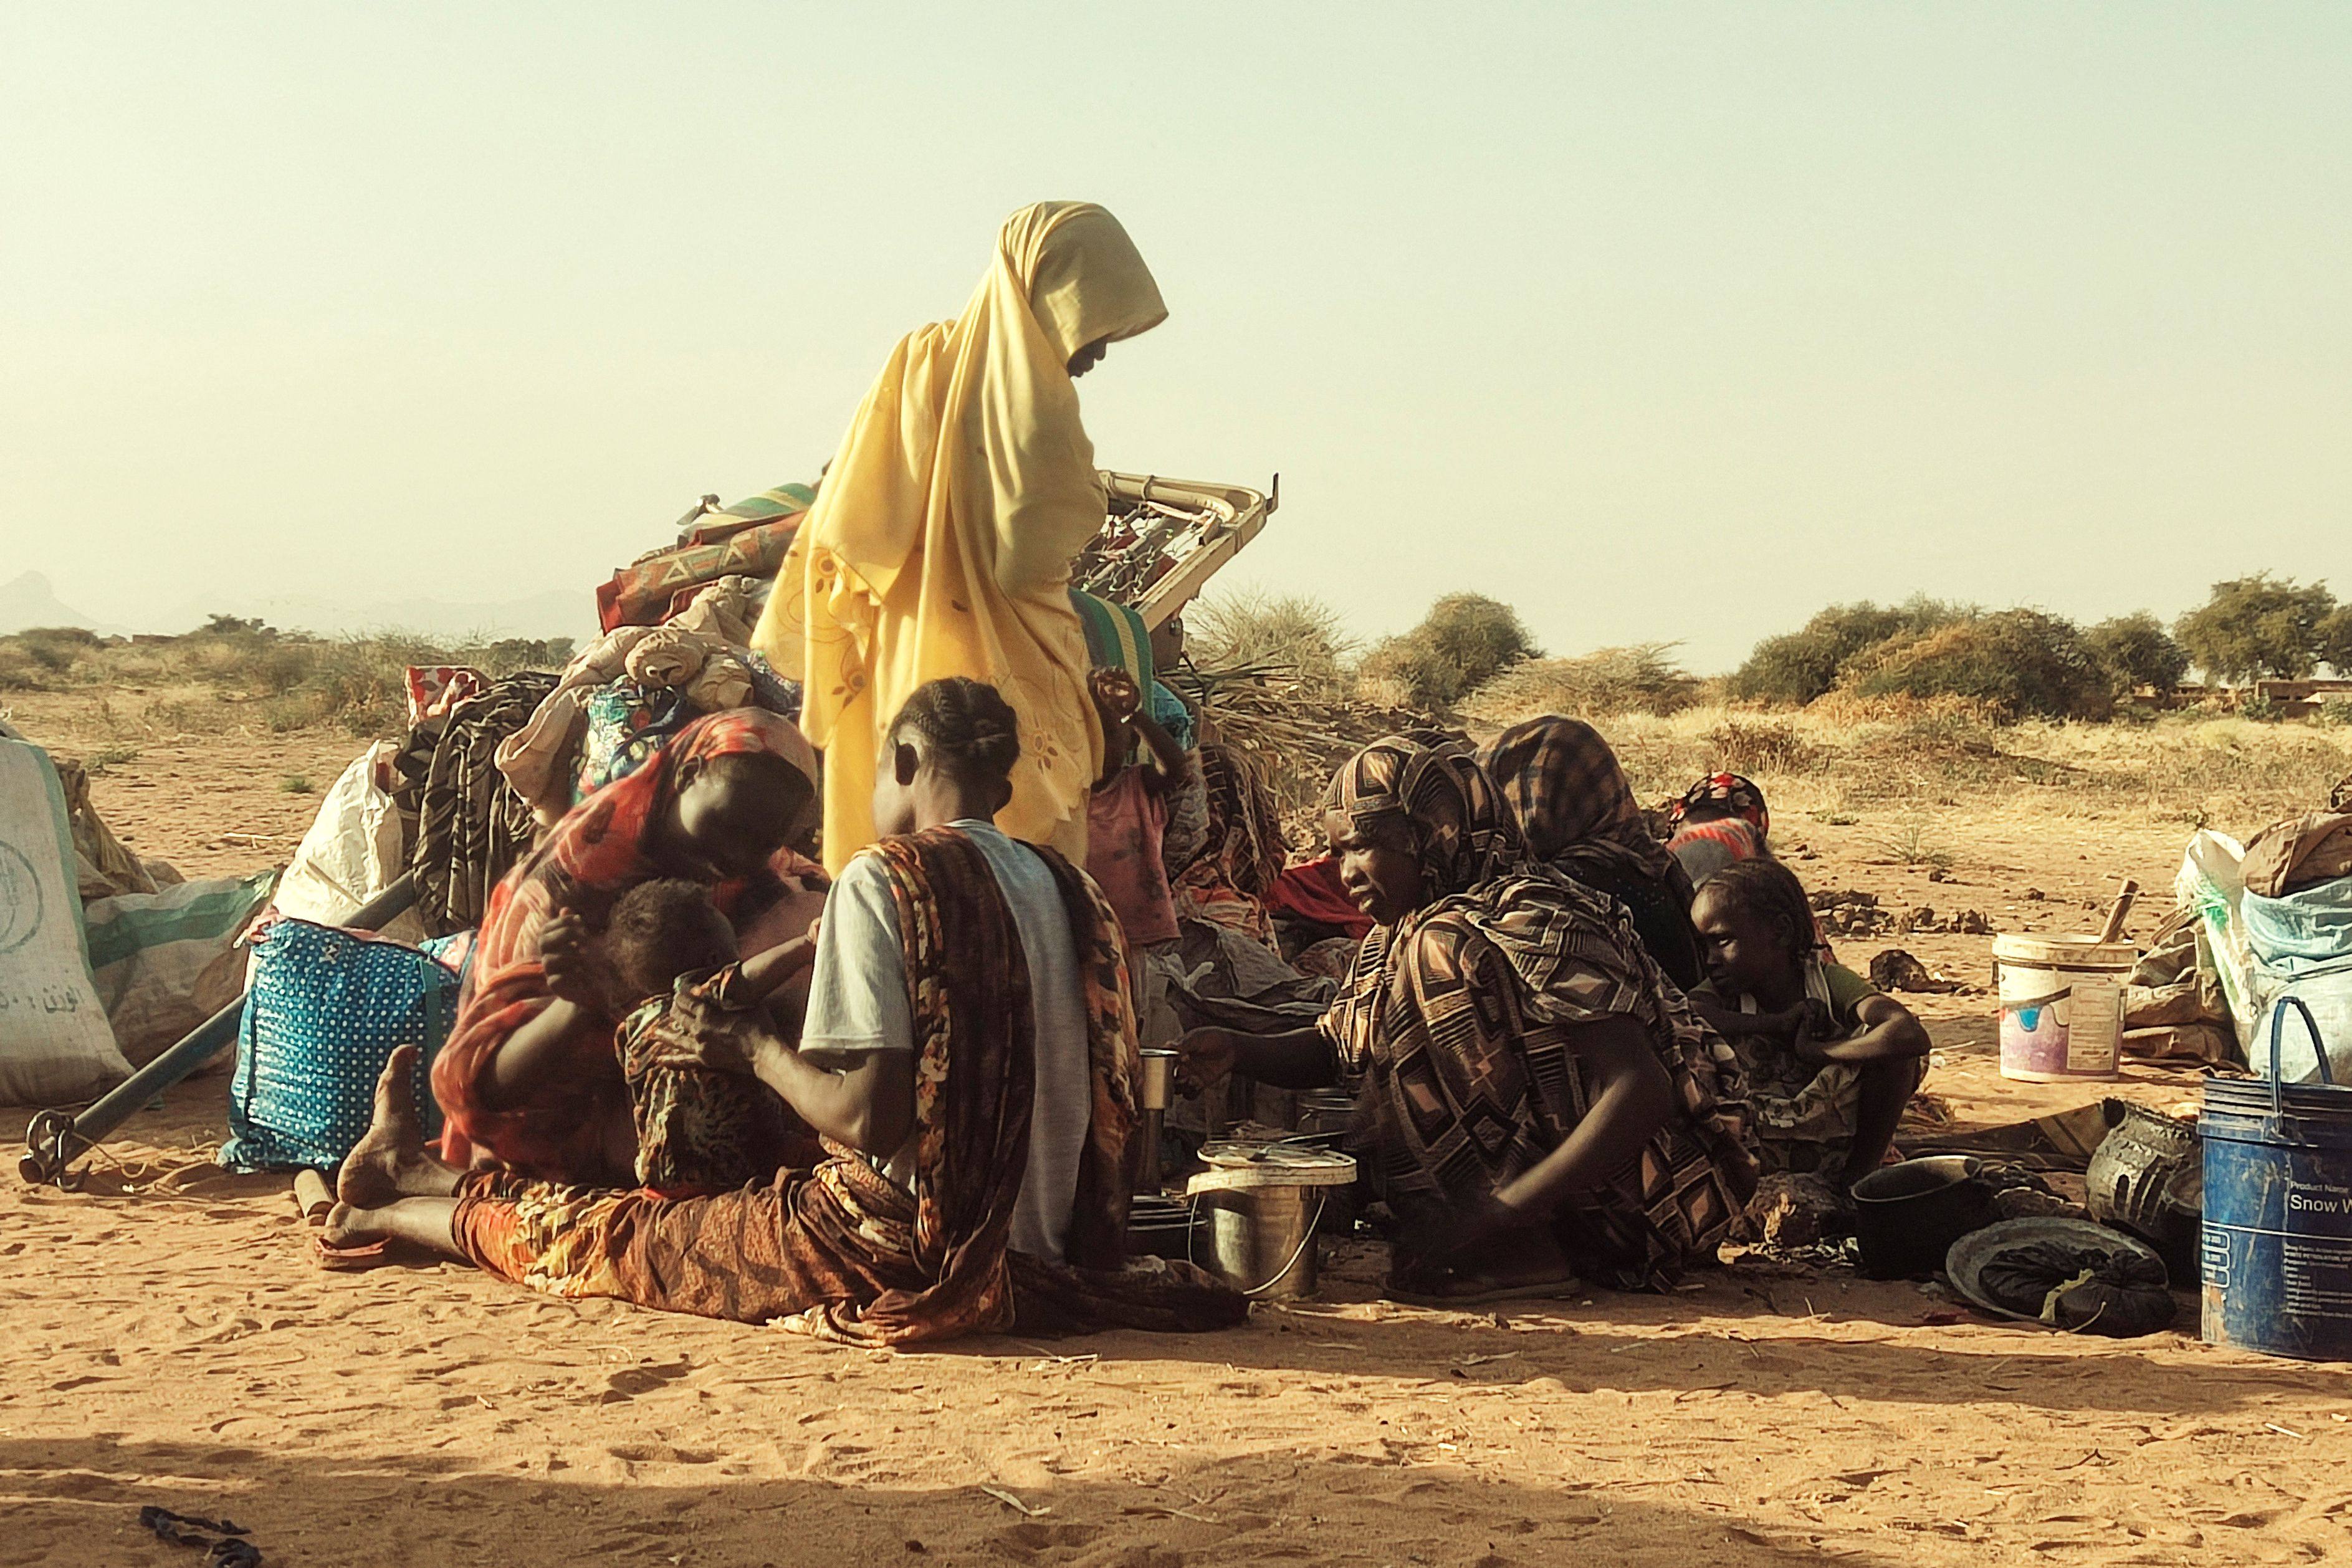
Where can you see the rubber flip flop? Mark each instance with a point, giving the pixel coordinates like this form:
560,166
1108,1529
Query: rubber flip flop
1526,1290
349,1256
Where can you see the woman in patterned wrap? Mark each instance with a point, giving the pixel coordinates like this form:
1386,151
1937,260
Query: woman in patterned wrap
969,1059
1537,1102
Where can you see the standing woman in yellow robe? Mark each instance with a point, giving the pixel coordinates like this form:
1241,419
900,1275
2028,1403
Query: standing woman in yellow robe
941,538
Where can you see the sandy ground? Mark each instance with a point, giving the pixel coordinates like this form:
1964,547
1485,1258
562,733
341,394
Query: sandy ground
164,1339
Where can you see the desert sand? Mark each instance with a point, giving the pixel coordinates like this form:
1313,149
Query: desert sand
166,1340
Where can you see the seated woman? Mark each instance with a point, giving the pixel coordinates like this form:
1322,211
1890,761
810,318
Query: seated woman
1830,1062
1578,815
1719,821
726,803
1537,1101
970,1058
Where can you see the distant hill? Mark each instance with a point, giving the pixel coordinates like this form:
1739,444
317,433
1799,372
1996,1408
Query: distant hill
32,600
568,613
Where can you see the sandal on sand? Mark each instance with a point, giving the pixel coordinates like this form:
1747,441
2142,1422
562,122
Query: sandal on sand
1480,1290
349,1256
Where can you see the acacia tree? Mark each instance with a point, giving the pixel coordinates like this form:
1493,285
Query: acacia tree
2261,627
2335,641
1466,640
2139,650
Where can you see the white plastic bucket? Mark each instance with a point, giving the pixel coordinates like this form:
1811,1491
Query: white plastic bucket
2062,1005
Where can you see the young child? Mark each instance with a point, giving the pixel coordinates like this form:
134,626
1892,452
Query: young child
1127,815
699,1127
1830,1062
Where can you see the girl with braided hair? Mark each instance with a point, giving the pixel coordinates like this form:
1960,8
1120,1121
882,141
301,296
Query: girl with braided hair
969,1057
1830,1061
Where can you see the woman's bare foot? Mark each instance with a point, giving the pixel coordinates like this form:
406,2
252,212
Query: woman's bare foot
390,1161
352,1234
350,1226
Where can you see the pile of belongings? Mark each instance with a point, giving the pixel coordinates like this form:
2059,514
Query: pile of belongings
2273,919
489,763
746,540
2303,852
2174,1007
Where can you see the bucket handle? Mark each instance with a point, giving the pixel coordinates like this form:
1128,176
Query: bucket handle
2318,1049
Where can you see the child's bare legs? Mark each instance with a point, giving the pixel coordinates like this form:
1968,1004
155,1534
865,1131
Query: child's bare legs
1884,1087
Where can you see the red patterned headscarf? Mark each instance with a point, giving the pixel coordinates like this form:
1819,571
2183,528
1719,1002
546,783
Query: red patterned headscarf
1730,794
587,861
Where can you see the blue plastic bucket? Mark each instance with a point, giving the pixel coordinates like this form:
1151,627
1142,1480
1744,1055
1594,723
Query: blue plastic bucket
2277,1251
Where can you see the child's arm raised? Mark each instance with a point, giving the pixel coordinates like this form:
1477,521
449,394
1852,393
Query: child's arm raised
1169,763
764,974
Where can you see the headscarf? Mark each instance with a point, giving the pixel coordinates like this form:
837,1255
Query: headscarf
1430,785
941,539
1733,792
1565,785
597,852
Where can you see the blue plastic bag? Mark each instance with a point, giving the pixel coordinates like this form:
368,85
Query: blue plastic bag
324,1011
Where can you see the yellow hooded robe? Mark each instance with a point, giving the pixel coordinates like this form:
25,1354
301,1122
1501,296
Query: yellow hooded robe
942,535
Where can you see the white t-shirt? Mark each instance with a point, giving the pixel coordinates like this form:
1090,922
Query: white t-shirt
857,1003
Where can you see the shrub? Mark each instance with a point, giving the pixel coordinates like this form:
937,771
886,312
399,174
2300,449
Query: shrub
1465,641
1640,679
1290,635
1762,746
2250,627
2139,650
1797,666
2017,662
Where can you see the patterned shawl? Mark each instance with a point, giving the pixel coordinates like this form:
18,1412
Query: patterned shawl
1564,783
1429,784
1459,1017
974,1086
1241,852
587,861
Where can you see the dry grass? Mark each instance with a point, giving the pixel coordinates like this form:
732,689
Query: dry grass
1288,637
1903,766
215,681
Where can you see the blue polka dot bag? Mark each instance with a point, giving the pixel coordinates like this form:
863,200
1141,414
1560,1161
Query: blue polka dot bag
323,1012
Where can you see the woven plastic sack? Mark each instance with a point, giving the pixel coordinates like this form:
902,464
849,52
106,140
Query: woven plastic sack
55,1045
352,851
167,961
325,1010
2301,945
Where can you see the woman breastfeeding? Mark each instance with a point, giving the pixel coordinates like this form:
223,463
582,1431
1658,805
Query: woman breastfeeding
1578,815
970,1058
1538,1103
530,1080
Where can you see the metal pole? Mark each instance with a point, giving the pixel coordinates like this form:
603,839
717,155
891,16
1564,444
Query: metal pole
54,1139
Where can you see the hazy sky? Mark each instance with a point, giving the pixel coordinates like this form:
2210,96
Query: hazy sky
1658,320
